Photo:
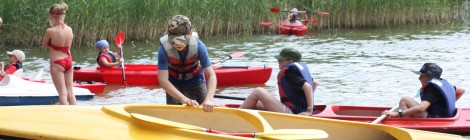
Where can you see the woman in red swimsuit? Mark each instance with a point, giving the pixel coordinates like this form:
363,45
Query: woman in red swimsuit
59,39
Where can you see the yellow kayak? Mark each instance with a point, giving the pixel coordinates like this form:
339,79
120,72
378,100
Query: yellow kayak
182,122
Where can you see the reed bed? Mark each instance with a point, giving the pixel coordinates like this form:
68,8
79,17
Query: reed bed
146,20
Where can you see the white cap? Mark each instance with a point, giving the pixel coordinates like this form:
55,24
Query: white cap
294,10
1,21
18,54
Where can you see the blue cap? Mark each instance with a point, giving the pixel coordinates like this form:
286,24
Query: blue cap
101,44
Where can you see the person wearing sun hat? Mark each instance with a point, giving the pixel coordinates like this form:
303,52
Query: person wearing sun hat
106,58
183,62
16,58
296,87
438,96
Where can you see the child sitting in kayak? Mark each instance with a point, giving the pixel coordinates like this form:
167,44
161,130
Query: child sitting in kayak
296,88
292,19
106,58
16,59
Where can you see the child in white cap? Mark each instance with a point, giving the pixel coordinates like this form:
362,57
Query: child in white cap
106,58
16,58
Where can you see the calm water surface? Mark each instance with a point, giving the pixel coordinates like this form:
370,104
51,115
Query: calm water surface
353,67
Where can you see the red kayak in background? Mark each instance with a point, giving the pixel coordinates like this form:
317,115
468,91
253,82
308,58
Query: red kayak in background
458,124
292,30
147,74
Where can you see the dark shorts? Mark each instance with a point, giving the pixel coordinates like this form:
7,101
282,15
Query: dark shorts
197,93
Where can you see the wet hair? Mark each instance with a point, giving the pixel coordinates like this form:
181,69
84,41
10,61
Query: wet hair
58,9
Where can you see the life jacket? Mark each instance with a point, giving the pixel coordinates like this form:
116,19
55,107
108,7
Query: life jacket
295,101
110,58
18,65
183,68
448,91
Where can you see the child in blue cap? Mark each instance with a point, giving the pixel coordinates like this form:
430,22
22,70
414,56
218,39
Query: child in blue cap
106,58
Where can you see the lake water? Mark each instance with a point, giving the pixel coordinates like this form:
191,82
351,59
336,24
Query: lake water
368,67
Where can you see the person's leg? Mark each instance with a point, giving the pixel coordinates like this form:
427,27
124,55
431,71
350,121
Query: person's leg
407,102
260,98
58,79
69,86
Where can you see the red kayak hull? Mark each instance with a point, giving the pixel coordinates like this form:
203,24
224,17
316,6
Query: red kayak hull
147,74
458,124
292,30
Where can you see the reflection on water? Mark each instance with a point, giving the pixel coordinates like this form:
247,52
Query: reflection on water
353,67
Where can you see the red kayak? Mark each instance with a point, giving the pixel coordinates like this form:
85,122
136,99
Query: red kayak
147,74
460,123
292,30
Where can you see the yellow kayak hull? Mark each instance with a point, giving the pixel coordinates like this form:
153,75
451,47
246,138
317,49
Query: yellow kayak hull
116,122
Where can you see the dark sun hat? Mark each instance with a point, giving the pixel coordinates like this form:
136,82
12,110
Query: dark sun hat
178,30
430,69
289,54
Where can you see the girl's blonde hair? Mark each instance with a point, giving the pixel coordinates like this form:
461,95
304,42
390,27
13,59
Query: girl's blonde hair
58,9
57,12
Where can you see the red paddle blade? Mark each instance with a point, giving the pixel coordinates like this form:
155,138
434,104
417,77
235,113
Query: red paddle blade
322,13
266,23
119,39
275,10
237,54
311,20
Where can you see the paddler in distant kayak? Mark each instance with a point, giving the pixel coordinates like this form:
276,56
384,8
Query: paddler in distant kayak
296,87
292,18
106,58
183,62
15,58
438,96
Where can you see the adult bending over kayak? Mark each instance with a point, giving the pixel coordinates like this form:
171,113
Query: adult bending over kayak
296,87
106,58
182,63
16,59
438,97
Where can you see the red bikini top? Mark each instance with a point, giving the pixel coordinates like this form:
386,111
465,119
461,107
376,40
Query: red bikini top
65,49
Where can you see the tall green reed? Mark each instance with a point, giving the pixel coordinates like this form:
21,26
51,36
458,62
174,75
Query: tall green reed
146,20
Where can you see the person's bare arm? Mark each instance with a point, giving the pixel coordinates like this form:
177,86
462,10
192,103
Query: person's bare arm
459,92
170,89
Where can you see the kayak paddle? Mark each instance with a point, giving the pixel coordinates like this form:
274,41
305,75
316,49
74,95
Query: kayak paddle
283,134
277,10
266,23
229,97
275,134
234,55
393,109
118,40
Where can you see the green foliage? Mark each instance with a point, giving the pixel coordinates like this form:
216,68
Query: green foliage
26,20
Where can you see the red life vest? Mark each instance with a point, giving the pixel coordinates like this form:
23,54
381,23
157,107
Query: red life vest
182,68
111,59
